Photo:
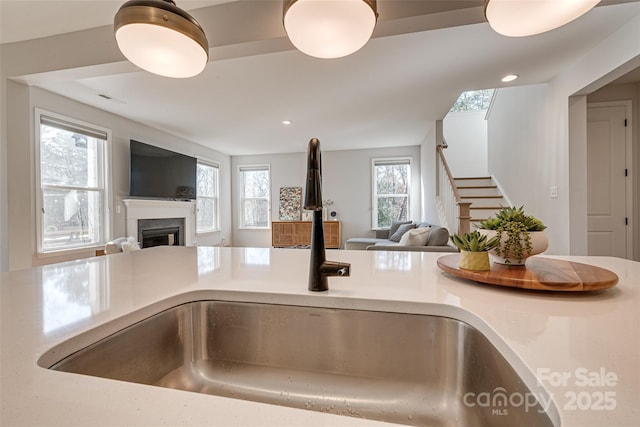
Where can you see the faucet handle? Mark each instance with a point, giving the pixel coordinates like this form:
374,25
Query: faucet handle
344,269
337,268
332,268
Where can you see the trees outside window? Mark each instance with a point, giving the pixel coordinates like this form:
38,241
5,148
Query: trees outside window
391,179
72,193
255,196
207,201
473,100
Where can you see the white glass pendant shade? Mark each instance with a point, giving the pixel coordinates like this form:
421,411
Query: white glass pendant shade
160,38
329,28
519,18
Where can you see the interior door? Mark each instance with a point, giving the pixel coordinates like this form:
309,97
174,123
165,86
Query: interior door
606,181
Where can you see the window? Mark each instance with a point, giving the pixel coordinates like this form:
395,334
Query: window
207,198
255,197
390,191
72,195
473,100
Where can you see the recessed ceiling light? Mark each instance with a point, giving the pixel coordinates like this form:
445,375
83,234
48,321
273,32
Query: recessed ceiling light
286,122
509,78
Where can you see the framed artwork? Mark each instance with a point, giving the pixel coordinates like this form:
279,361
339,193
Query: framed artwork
307,215
290,203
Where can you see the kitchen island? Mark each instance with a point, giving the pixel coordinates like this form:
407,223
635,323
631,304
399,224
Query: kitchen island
582,348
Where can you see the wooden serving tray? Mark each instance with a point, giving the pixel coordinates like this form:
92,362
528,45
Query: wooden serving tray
542,274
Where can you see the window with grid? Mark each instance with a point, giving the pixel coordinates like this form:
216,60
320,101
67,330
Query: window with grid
72,191
391,182
208,212
255,196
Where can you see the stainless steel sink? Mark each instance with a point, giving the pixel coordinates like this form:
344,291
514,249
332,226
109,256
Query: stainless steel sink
403,368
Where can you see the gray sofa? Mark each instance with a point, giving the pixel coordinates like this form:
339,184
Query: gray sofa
390,240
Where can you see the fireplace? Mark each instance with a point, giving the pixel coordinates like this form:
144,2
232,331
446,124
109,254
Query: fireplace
157,232
161,222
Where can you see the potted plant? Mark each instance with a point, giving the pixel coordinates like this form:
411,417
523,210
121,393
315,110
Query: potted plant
521,235
474,250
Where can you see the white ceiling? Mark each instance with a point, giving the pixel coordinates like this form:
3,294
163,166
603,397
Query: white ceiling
31,19
386,94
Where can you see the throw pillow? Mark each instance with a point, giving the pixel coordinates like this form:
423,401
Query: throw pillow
401,230
415,237
394,227
439,236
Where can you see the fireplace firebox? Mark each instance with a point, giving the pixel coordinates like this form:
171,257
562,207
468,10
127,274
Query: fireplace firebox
162,231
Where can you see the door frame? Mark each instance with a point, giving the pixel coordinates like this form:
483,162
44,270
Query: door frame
628,160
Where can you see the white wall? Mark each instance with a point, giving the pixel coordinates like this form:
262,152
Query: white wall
428,172
578,242
532,137
466,135
21,173
20,203
628,92
523,159
346,179
612,58
4,241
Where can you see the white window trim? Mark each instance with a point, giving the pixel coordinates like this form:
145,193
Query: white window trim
242,168
105,176
216,228
374,195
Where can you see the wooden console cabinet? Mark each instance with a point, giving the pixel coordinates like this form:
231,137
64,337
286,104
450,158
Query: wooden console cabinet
293,233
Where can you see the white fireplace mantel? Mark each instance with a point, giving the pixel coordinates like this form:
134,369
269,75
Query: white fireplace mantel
156,209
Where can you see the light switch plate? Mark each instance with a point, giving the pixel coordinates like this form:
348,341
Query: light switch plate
553,192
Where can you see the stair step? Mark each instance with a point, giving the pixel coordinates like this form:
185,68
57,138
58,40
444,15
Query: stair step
476,186
486,203
478,191
473,181
483,195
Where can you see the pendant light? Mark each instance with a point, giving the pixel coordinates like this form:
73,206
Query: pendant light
161,38
518,18
329,28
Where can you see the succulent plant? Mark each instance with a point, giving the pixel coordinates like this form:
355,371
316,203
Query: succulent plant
475,242
517,225
515,215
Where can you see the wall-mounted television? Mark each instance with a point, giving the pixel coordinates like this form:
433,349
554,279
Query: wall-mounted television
162,174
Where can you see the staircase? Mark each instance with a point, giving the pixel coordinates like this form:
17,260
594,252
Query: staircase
483,194
462,203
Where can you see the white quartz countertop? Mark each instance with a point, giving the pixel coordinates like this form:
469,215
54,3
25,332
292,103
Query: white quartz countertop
583,348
